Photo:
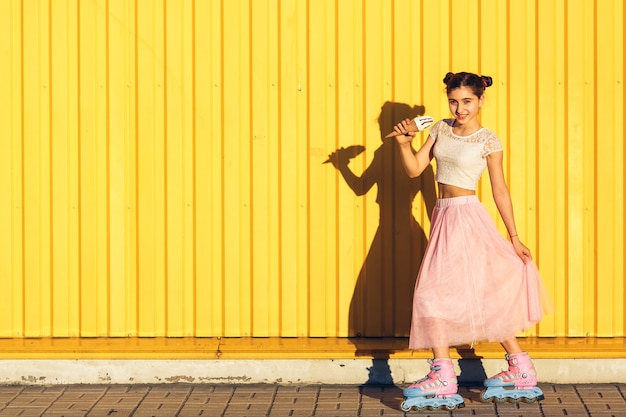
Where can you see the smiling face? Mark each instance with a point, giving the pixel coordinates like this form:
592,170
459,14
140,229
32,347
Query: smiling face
465,105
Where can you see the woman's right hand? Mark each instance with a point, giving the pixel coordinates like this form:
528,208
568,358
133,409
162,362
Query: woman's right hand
404,135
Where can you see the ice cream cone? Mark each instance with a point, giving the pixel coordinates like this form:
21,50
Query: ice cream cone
415,125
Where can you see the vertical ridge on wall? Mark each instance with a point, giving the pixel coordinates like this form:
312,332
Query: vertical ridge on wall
576,167
163,169
609,173
9,173
287,136
208,160
115,184
36,192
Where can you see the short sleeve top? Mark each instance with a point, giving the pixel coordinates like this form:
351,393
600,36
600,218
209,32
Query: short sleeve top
461,160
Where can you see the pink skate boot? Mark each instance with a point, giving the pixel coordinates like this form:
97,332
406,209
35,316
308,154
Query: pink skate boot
518,384
435,391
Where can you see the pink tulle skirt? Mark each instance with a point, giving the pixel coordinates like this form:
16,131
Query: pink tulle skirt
472,286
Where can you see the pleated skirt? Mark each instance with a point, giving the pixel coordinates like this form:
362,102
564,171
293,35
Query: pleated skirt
472,286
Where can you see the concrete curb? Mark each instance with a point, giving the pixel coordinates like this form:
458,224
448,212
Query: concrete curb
290,371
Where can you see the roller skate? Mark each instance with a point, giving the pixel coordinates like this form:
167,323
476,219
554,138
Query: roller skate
518,384
436,391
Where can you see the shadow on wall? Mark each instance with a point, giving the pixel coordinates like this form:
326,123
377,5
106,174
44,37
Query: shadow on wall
382,302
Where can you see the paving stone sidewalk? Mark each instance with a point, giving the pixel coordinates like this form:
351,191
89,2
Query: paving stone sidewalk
189,400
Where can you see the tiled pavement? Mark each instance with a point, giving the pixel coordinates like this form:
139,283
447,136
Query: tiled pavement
187,400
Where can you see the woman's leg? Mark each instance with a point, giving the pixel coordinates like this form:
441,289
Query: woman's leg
521,370
441,352
521,376
441,381
512,346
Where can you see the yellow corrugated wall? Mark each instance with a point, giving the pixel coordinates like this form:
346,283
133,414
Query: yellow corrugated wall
161,161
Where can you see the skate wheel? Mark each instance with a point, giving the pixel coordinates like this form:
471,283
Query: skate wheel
502,400
493,399
405,407
484,398
454,404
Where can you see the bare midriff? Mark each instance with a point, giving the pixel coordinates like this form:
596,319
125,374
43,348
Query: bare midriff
450,191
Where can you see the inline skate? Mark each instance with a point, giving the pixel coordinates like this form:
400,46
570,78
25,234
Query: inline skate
436,391
518,384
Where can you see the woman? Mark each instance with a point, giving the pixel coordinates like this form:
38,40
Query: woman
473,285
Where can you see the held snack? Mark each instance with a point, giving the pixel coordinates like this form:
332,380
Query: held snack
417,125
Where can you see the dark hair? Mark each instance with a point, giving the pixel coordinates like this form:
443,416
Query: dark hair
477,83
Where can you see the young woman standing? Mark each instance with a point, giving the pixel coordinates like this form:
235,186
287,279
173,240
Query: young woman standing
474,285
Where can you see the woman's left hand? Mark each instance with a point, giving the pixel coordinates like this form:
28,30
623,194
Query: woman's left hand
522,251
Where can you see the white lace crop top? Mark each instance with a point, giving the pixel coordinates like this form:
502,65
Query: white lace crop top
461,160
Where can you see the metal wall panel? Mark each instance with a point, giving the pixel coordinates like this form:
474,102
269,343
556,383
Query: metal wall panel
162,165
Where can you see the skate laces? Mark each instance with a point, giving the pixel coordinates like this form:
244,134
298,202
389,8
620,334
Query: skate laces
431,381
518,372
506,376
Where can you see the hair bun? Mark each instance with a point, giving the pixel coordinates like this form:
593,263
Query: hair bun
487,80
447,78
